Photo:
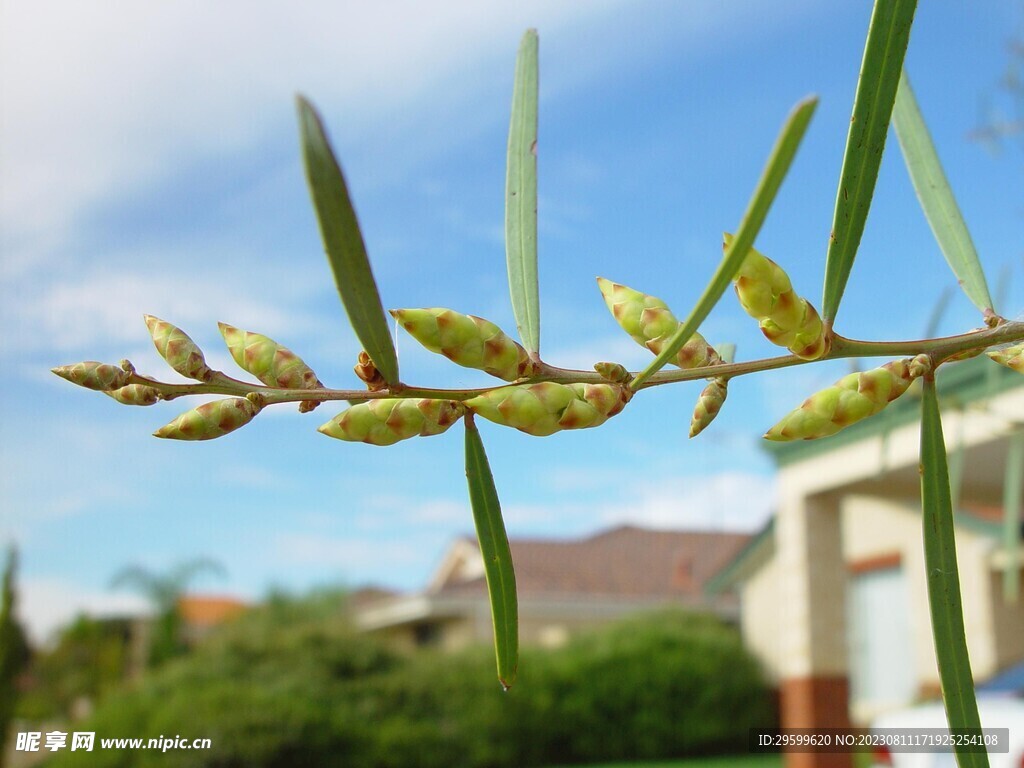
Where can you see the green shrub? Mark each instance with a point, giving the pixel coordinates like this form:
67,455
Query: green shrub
663,685
292,684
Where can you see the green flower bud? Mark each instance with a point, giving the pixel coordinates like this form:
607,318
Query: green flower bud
102,377
786,319
849,400
268,361
613,372
650,323
388,420
212,420
1011,357
545,408
135,394
180,352
467,340
709,403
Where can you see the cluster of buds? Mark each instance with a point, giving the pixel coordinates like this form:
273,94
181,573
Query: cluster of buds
1011,357
467,340
546,407
388,420
271,363
849,400
274,365
786,319
650,323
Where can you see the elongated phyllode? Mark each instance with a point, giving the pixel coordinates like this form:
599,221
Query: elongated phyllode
467,340
851,399
767,295
388,420
650,323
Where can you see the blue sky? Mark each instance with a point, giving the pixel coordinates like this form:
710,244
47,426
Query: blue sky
151,165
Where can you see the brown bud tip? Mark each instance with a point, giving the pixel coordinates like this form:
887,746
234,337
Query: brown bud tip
368,373
614,372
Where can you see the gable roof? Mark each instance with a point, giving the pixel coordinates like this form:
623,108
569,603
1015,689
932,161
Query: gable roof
627,561
208,611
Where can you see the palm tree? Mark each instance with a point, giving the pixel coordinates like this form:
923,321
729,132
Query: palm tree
164,591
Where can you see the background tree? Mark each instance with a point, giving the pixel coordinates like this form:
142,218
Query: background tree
164,591
14,650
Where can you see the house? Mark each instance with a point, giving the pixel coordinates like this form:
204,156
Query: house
201,614
563,586
833,592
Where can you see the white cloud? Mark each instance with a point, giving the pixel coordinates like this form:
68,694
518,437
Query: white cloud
738,501
102,99
46,604
348,553
106,307
616,347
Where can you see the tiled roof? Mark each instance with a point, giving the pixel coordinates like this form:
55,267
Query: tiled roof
621,562
207,611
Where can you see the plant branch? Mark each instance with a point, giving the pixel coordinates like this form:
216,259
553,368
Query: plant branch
938,349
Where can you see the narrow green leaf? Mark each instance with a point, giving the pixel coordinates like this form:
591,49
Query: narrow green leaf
343,242
490,532
944,581
936,197
880,68
1013,490
521,196
757,210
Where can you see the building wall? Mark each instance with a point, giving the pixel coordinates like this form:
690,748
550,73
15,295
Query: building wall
760,618
1009,622
874,529
874,526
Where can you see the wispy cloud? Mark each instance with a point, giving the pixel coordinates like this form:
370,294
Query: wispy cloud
168,90
346,553
106,307
737,501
